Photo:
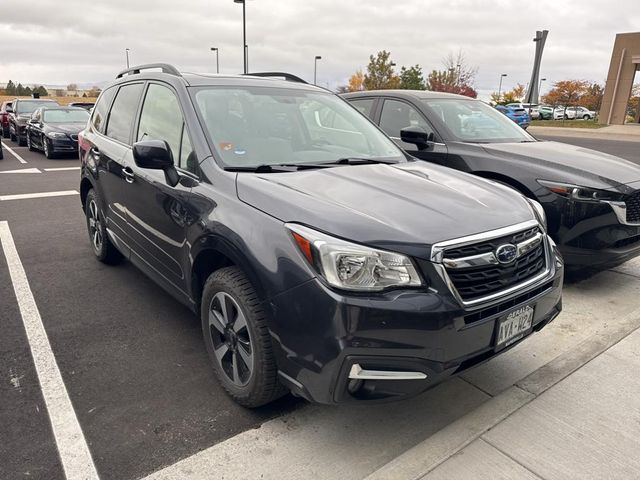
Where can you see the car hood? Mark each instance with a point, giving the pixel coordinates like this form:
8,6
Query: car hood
69,128
570,163
406,207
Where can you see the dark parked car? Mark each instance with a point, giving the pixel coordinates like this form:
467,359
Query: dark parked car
5,110
22,109
85,105
518,115
321,259
55,130
1,154
592,199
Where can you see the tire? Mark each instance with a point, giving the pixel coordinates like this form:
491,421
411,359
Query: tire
22,141
5,133
47,149
237,339
586,117
12,136
1,154
103,249
566,117
29,144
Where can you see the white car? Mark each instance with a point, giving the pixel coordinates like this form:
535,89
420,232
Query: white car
530,108
573,113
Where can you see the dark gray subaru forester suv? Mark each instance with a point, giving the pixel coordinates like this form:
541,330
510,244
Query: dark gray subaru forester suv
321,258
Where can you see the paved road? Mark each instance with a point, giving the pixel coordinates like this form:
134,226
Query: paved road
136,373
628,150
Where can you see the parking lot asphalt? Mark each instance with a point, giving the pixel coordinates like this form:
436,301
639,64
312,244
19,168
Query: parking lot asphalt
137,374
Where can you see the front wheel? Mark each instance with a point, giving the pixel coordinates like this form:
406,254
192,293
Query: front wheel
48,151
103,249
586,117
237,338
12,136
29,144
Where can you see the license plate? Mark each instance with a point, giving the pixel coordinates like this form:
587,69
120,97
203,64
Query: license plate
514,326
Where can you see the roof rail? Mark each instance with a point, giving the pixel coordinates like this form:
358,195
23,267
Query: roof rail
165,67
287,76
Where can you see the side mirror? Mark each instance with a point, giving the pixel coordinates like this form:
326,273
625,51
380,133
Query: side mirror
156,155
8,109
416,135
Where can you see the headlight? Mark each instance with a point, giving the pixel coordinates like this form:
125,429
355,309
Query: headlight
581,194
56,135
350,266
539,212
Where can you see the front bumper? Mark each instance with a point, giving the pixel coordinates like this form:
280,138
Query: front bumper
591,235
320,334
63,145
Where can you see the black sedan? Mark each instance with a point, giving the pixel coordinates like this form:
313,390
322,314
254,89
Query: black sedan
55,130
592,199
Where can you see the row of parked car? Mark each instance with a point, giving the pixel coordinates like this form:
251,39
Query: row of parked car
344,254
43,124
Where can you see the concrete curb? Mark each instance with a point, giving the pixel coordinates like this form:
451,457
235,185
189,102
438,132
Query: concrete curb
599,133
426,456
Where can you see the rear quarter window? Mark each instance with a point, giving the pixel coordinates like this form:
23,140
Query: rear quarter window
99,118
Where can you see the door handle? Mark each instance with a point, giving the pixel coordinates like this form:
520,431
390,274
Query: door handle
128,174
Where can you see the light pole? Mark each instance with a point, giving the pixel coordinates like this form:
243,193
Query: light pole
540,87
244,32
215,49
315,67
127,52
500,87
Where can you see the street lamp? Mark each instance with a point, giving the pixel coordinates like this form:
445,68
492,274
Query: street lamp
244,32
540,86
315,67
215,49
500,87
127,52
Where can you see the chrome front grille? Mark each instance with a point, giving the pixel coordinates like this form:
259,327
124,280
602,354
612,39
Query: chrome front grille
478,270
633,207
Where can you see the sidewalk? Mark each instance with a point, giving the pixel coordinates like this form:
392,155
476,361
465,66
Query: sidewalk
578,417
625,133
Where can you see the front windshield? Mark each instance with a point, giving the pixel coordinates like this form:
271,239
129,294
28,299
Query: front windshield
65,116
30,106
473,121
252,126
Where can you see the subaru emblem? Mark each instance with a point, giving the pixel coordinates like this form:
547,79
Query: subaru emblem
506,253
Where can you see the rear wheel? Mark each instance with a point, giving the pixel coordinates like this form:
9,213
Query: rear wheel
103,249
237,338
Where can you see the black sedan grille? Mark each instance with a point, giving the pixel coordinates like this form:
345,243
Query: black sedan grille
473,283
633,208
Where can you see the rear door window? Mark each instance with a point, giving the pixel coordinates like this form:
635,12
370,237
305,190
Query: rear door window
123,112
363,105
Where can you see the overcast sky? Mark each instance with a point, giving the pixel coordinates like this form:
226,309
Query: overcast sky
58,42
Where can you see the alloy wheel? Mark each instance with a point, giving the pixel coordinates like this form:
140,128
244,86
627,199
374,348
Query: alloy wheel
231,338
95,226
45,145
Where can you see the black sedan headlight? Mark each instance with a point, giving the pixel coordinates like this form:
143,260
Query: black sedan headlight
53,135
580,193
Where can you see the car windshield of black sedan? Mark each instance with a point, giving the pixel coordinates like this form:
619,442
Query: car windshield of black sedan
252,126
473,121
65,116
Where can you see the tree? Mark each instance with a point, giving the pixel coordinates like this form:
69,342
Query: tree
20,91
380,74
412,79
41,91
10,89
72,87
457,77
566,92
592,98
634,101
510,96
94,92
445,81
356,82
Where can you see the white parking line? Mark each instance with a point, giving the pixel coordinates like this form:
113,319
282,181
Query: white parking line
72,446
23,196
10,150
61,169
22,170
